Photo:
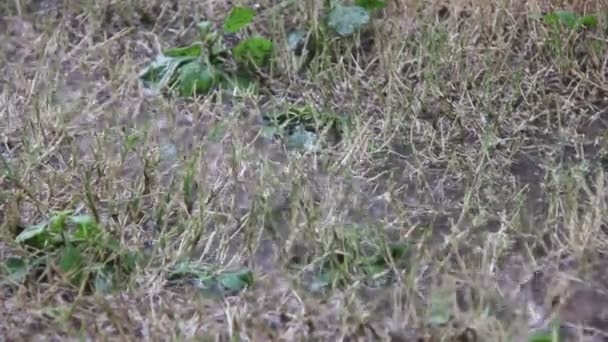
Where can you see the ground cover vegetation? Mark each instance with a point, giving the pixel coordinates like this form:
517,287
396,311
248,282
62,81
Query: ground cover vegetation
398,170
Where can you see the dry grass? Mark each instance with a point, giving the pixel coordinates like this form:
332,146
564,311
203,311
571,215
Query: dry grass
477,142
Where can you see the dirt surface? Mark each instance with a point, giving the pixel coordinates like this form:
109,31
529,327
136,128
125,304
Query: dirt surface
477,142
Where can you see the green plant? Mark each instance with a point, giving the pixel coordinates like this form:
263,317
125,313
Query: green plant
15,268
351,257
564,30
569,20
547,335
346,20
210,279
205,65
83,253
238,18
371,4
440,309
253,50
301,127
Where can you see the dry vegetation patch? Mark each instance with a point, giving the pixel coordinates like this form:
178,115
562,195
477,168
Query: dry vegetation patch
365,170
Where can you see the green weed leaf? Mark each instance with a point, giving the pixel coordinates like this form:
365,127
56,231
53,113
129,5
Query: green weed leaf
71,263
130,259
565,18
37,236
205,28
130,141
193,50
440,308
112,245
303,46
295,39
217,132
197,78
322,281
57,223
186,269
158,74
588,21
238,18
16,268
372,269
168,152
83,220
300,127
346,20
439,318
31,232
240,81
255,49
398,249
270,131
371,4
236,281
570,20
219,282
104,280
302,139
86,228
541,337
547,335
